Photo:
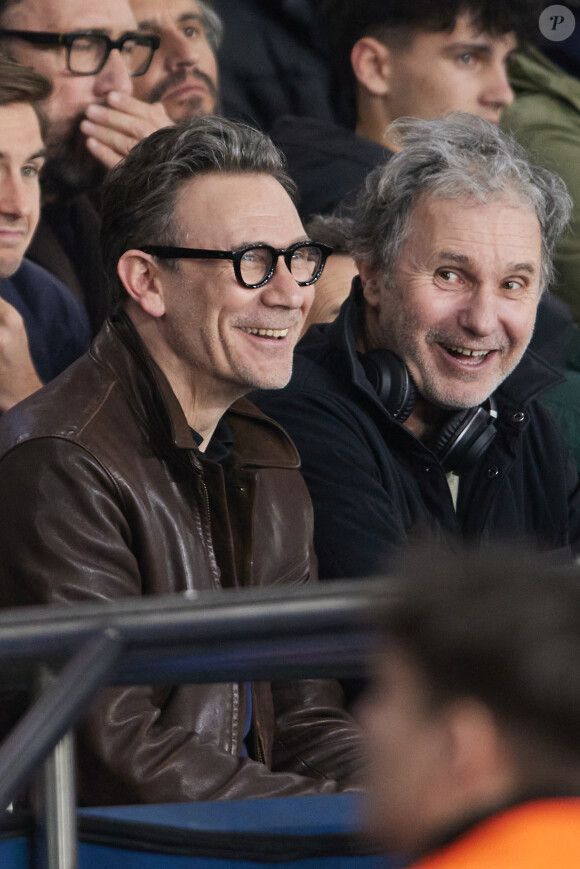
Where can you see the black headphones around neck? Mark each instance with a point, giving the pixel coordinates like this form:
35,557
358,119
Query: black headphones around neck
465,436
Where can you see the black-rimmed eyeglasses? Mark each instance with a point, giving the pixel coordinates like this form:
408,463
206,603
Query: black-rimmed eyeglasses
255,264
87,51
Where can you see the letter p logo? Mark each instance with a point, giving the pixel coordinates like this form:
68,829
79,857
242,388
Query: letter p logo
557,23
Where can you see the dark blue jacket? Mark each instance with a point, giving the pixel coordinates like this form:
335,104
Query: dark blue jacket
56,323
376,488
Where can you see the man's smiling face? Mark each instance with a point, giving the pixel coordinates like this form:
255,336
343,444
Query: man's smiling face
460,304
233,338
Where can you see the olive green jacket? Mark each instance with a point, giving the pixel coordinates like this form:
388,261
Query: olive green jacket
545,118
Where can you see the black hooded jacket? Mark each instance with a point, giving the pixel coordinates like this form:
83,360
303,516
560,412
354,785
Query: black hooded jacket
377,489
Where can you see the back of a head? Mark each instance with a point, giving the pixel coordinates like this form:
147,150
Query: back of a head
461,157
395,23
331,229
139,194
501,627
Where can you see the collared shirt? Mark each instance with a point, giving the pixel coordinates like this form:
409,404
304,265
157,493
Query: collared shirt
220,442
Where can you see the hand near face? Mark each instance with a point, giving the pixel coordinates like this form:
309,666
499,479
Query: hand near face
113,129
18,377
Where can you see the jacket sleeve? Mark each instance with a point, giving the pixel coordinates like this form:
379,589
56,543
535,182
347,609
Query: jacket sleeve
313,737
135,755
359,522
311,733
65,538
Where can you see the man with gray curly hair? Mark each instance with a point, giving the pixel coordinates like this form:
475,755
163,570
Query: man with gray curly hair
413,412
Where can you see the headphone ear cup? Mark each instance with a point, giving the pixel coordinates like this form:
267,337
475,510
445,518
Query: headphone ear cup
390,378
446,437
464,438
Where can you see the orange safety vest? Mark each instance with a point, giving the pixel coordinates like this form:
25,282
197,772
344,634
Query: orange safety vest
543,834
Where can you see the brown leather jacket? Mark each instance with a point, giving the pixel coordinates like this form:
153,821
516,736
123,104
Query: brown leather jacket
103,494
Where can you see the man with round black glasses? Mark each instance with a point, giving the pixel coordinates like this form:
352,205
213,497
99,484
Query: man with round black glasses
254,265
143,470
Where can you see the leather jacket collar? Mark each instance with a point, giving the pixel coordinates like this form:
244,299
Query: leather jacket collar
119,348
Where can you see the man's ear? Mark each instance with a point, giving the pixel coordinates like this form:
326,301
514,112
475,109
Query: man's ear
480,767
371,280
371,64
139,274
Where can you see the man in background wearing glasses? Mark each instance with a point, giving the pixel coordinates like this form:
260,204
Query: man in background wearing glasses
91,50
143,470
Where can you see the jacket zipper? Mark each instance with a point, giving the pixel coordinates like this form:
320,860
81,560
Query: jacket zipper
259,750
206,502
257,738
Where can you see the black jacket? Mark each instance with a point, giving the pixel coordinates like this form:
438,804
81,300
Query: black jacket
376,488
328,162
67,244
274,61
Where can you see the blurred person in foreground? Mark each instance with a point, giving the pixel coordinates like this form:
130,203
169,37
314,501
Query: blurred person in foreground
144,471
473,717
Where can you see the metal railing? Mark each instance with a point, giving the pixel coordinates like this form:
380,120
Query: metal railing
71,651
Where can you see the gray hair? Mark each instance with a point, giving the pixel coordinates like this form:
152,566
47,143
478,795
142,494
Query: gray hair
139,194
332,229
214,28
459,157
